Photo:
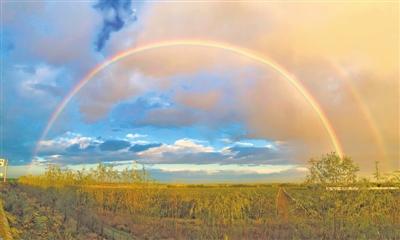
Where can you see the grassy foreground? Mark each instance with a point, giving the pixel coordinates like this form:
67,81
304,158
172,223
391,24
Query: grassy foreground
200,212
5,231
106,204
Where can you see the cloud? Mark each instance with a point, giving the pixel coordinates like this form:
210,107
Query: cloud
70,141
143,147
115,14
40,81
199,100
135,136
179,146
258,155
158,109
114,145
74,148
52,39
77,148
130,84
245,151
184,151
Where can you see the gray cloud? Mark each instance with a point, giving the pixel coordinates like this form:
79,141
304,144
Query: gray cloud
143,147
76,148
116,13
114,145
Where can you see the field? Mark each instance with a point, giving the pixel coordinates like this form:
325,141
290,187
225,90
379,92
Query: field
104,203
153,211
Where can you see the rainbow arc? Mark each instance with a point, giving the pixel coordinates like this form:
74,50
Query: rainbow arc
207,44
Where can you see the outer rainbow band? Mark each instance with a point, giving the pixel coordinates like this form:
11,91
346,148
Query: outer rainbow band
199,43
376,134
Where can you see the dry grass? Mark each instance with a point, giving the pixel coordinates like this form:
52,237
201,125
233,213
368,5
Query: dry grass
5,232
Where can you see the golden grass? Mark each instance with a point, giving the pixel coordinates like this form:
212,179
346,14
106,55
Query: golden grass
5,232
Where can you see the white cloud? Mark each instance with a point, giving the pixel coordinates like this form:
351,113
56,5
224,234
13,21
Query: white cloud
68,139
135,135
181,146
244,144
192,145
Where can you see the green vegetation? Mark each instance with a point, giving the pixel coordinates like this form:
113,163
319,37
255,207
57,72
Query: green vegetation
332,170
105,203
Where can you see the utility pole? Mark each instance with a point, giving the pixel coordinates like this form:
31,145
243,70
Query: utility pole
377,173
3,166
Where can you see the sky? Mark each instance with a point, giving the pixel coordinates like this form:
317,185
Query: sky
193,112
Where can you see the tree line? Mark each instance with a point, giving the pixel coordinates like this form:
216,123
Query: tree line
56,176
